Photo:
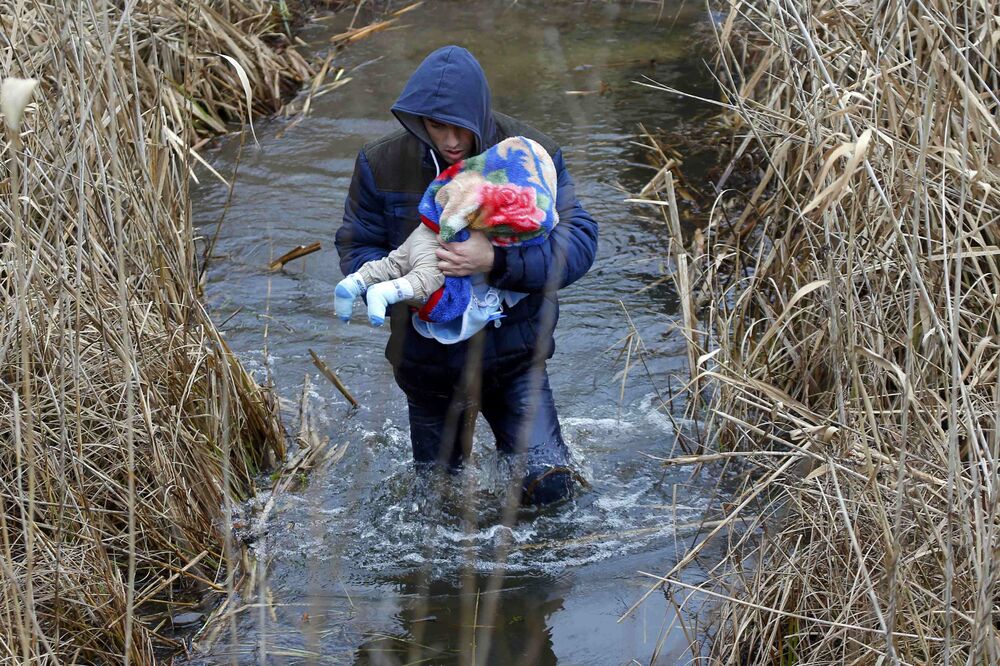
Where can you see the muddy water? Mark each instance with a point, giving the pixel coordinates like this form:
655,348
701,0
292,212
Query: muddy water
370,563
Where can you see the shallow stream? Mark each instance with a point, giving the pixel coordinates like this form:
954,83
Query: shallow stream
368,562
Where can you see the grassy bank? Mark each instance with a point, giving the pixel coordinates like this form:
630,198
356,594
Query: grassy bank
853,325
126,425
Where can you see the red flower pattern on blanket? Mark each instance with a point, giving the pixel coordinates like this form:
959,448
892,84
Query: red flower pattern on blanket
508,192
511,206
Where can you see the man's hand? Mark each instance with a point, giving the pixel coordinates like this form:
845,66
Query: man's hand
474,255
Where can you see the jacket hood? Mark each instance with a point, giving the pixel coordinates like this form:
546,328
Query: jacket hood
449,86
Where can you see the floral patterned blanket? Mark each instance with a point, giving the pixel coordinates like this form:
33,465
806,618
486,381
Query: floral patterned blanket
508,192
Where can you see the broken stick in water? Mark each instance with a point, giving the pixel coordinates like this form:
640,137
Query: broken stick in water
332,376
300,251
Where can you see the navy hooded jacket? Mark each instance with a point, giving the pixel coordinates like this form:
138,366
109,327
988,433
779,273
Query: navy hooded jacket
390,176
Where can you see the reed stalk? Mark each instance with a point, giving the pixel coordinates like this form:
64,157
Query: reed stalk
853,314
126,424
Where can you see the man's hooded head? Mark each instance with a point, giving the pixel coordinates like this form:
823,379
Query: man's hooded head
448,87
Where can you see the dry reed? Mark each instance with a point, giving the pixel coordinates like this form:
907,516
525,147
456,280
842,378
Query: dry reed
854,329
126,425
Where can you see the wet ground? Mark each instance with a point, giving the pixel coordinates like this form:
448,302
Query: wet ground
371,563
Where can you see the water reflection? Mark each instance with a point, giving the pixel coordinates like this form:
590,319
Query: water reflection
440,621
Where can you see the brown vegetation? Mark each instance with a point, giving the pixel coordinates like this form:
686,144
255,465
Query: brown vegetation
853,334
126,425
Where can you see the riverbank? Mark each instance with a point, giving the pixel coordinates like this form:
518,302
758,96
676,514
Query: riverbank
851,333
129,428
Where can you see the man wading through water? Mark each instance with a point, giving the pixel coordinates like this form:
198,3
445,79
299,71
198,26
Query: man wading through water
447,116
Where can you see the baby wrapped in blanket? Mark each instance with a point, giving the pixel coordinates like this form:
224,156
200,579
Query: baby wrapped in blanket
509,193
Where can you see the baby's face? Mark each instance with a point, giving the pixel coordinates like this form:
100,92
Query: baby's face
459,200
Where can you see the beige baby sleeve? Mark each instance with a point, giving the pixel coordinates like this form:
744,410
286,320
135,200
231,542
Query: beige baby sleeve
423,276
414,260
391,267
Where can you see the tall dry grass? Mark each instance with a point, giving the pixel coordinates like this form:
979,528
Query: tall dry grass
853,324
126,425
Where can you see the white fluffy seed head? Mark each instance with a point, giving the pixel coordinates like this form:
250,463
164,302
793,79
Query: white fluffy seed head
14,96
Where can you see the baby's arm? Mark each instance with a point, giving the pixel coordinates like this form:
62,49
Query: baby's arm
371,272
387,268
409,273
422,280
423,275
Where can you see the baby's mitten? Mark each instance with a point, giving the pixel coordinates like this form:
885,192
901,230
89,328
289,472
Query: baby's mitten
384,294
345,294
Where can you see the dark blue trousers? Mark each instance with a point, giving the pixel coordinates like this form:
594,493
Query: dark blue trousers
519,408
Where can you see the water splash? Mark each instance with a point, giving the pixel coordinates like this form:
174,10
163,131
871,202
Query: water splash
449,521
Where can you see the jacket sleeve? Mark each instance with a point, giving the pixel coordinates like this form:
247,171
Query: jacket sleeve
363,236
562,260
